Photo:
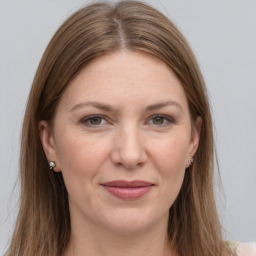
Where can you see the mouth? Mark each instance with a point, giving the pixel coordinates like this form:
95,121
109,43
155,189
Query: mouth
128,190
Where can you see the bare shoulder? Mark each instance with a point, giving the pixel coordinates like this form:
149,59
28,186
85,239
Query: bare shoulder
242,249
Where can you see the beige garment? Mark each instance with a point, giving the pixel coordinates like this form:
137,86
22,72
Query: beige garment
242,249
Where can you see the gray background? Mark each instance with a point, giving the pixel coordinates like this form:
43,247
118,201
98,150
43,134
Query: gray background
222,34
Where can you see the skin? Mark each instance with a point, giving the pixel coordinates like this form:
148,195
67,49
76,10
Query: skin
126,142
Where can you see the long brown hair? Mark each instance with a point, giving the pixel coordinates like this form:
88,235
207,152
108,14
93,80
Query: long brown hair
43,224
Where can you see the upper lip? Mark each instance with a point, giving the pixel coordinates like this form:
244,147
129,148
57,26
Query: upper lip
127,184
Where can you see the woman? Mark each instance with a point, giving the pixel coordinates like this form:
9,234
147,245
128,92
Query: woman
117,142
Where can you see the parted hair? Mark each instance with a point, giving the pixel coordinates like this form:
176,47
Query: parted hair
43,225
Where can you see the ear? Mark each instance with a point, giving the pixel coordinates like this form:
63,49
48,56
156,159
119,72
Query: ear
195,137
48,143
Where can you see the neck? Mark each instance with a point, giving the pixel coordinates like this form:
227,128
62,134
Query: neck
95,241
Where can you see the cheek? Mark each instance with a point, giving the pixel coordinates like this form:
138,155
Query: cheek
170,161
170,155
81,161
79,155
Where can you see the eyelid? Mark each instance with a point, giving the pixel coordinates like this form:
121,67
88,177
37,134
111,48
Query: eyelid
85,119
168,118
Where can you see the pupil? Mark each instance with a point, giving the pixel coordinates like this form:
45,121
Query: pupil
95,120
158,120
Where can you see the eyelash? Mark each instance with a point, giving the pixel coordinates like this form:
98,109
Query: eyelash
87,119
167,119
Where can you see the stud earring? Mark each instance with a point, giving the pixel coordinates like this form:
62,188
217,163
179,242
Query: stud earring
190,161
51,165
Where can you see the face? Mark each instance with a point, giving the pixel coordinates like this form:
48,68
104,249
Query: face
122,138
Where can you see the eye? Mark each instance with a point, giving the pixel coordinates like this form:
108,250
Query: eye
161,120
94,121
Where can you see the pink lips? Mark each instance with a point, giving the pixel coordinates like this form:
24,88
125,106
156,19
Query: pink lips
128,190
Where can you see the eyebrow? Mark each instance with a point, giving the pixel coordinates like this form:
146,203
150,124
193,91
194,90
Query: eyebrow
95,104
109,108
163,104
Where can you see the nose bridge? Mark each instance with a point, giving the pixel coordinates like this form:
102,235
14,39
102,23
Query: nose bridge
130,138
129,150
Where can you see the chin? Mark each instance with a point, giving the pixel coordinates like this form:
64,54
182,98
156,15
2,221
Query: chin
128,221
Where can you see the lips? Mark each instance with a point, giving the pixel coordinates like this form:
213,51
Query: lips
128,190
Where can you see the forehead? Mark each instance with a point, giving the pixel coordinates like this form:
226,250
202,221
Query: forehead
128,78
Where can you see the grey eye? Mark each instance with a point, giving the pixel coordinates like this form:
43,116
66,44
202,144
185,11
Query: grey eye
158,120
161,120
95,120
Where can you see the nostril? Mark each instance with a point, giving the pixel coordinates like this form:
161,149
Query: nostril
130,164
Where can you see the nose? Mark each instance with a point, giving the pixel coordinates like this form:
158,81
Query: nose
129,148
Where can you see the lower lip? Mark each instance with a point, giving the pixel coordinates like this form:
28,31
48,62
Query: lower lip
128,193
